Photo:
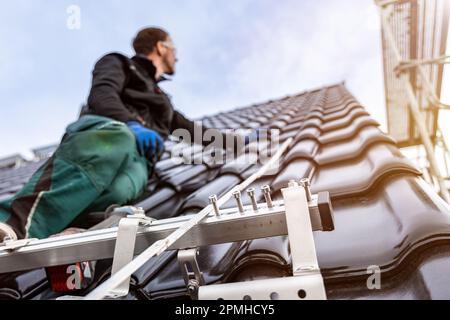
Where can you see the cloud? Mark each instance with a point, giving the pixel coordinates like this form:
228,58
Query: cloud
287,48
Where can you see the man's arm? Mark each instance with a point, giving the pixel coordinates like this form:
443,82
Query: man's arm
108,82
181,122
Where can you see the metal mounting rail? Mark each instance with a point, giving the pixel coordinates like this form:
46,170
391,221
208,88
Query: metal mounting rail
98,245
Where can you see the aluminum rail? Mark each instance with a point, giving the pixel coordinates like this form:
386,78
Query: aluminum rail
98,245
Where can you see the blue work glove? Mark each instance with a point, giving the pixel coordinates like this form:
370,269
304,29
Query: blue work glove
149,143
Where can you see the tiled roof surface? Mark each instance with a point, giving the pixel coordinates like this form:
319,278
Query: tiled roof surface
385,214
12,180
44,152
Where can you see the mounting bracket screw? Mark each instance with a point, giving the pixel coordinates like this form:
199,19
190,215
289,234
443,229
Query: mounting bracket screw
307,185
266,190
213,201
252,195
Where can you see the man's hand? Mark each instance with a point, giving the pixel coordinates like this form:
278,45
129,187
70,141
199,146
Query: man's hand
150,144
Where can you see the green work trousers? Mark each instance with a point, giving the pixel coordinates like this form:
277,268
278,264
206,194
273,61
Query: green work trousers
96,165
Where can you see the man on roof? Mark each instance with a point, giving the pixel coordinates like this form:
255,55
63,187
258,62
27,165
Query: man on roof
108,155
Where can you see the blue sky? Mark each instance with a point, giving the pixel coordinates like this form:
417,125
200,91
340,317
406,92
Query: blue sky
232,53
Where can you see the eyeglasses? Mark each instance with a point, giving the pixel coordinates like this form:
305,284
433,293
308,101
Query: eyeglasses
170,46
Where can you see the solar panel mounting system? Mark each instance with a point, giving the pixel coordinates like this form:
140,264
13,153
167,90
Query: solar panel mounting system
297,216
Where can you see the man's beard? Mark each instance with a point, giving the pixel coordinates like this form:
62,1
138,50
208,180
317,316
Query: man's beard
170,70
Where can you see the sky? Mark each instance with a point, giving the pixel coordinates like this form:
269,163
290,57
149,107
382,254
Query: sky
231,54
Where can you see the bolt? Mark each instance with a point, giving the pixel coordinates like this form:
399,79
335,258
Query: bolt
266,190
213,200
293,184
237,196
192,287
307,185
251,194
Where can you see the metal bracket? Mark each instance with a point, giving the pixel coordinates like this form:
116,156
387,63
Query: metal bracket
125,245
192,275
301,239
307,282
124,248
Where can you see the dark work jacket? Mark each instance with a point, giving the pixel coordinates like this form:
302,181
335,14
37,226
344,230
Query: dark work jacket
126,90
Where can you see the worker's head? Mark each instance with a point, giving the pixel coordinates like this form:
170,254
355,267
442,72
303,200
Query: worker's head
157,45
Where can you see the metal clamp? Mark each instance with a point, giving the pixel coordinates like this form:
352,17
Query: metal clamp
125,245
192,275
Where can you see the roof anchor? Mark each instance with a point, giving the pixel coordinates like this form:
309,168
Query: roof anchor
192,275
